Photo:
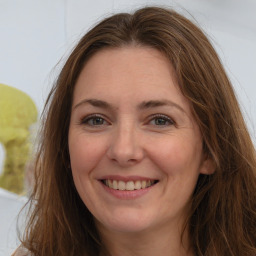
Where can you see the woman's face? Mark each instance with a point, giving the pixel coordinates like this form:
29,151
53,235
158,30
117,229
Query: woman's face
135,149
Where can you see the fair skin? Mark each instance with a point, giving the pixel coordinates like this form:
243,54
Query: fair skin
135,151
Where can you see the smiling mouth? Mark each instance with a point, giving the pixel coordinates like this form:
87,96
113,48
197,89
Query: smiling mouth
129,185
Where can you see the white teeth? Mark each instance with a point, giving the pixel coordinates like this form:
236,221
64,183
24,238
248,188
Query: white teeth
143,184
130,185
115,184
110,183
137,184
121,185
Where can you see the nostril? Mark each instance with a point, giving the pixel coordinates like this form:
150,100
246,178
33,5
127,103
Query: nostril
132,160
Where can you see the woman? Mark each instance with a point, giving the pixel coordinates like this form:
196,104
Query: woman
144,149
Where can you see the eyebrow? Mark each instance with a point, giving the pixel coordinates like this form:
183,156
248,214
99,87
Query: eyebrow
143,105
159,103
95,103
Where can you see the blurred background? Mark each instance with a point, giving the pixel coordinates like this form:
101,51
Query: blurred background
36,38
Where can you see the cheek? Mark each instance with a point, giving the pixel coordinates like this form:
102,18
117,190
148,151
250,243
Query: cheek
177,155
85,153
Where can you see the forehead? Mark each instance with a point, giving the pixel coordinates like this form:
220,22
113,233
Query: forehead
141,73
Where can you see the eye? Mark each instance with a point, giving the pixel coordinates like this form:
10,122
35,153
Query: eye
94,120
161,120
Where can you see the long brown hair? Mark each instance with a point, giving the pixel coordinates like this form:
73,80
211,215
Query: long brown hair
222,219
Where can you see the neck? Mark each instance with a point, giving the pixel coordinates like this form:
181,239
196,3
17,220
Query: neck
160,241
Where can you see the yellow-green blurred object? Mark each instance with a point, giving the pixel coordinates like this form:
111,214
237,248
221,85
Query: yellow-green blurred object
17,113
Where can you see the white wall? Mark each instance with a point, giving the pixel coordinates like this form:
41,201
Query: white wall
32,40
10,206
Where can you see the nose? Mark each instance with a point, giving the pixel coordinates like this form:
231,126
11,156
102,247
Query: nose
126,146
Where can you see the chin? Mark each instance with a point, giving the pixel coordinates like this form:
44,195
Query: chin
126,223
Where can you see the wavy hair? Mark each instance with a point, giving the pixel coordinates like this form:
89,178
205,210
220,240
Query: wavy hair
222,219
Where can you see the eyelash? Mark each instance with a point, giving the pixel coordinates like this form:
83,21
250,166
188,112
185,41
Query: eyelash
162,117
93,117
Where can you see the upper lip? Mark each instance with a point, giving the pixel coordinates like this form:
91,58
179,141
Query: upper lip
126,178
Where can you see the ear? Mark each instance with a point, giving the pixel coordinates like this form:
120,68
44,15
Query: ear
207,167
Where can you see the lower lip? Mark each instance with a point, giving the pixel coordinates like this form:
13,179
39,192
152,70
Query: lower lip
126,194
